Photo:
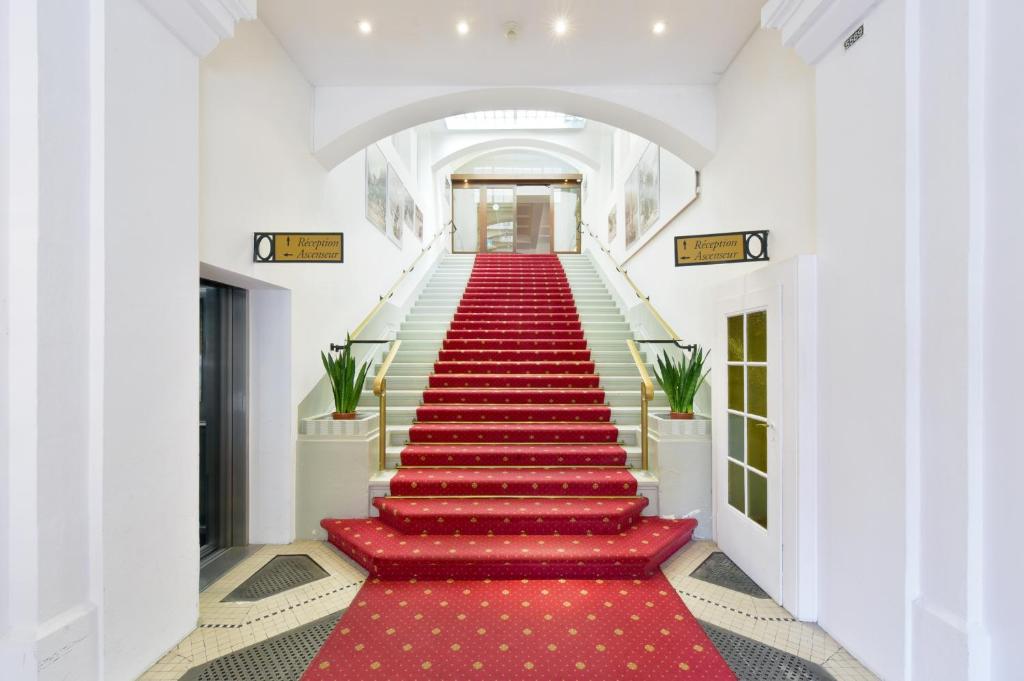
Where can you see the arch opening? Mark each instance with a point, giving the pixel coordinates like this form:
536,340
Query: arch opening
342,132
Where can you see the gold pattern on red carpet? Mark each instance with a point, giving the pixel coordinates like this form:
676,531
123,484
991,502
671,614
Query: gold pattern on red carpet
514,409
600,630
515,470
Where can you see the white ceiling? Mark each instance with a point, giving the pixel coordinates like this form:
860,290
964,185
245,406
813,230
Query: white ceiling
609,42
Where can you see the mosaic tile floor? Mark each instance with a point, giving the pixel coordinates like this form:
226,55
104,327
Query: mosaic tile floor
760,619
225,627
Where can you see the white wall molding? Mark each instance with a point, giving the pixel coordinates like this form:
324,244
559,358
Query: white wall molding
201,24
813,27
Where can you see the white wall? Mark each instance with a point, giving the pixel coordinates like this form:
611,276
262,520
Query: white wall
150,469
862,307
997,613
258,174
762,176
47,611
939,467
100,385
678,183
5,227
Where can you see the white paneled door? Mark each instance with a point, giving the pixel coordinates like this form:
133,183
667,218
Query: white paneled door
747,408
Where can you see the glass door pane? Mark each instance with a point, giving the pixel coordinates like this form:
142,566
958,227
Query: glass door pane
465,211
747,403
566,202
499,217
534,219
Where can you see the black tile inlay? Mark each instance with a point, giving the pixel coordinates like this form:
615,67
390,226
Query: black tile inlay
754,661
281,658
277,576
718,569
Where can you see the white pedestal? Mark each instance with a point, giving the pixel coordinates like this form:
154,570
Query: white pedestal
334,462
680,452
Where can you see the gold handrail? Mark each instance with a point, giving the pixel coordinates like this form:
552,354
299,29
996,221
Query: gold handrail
391,291
646,394
639,294
380,389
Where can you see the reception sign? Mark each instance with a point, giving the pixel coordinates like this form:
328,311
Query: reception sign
298,247
717,249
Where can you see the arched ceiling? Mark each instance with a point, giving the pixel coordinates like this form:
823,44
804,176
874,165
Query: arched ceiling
568,155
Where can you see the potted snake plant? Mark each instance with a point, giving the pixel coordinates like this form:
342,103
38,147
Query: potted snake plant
681,379
346,381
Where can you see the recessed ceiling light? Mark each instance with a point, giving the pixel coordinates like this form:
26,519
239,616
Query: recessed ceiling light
462,27
561,26
365,27
658,28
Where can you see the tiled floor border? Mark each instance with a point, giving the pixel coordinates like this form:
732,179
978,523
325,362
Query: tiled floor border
227,627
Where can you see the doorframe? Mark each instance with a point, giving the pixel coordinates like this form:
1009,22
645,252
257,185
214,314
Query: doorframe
796,279
484,181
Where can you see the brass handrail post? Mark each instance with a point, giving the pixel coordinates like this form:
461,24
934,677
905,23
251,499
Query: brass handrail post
380,389
646,394
643,428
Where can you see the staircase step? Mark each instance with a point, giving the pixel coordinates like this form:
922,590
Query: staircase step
513,455
513,325
531,367
502,515
513,307
388,554
514,344
514,381
511,481
486,317
464,413
514,355
512,459
504,298
513,432
512,334
512,396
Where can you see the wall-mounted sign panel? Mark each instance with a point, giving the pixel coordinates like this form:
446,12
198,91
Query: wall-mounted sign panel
298,247
717,249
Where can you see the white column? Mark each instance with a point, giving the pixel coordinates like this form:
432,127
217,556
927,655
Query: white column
49,610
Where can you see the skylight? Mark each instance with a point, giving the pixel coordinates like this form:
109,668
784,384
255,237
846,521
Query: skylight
514,119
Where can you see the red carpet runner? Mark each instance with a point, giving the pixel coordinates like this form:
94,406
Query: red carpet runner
545,630
513,467
514,470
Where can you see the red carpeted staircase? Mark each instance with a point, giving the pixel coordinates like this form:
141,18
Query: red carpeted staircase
513,467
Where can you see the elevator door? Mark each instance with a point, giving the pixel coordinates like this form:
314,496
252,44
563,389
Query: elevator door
222,418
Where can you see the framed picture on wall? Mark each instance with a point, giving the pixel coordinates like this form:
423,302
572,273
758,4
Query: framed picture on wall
409,214
376,187
419,223
631,204
396,206
613,226
649,177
